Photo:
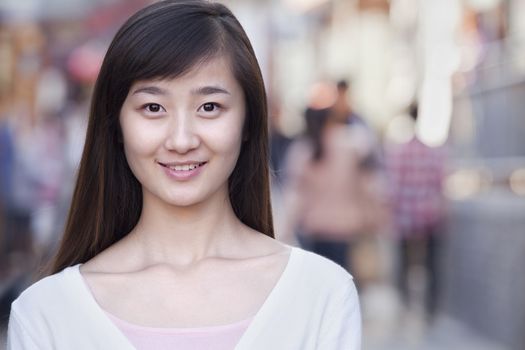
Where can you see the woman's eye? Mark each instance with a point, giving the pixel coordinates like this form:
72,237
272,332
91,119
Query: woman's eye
153,108
209,107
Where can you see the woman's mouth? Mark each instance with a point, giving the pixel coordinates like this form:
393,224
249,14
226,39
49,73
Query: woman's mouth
184,167
183,171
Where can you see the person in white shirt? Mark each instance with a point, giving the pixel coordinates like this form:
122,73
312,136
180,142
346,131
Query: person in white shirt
169,240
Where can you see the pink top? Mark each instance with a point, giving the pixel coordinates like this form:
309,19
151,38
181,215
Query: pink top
215,337
327,198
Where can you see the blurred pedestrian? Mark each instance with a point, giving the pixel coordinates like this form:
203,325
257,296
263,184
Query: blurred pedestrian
416,174
169,241
345,112
279,143
7,155
326,197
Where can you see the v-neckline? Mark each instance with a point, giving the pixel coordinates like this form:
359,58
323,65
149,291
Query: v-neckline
101,314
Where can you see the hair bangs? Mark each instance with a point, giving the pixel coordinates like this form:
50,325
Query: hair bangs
169,48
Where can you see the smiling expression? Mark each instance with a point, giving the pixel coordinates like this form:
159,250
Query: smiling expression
182,136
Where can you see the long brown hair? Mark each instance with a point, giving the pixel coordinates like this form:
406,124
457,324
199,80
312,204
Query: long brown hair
163,40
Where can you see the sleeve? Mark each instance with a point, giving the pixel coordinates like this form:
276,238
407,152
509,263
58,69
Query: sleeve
361,141
18,337
394,171
342,328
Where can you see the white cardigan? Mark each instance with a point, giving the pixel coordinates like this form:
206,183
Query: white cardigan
314,305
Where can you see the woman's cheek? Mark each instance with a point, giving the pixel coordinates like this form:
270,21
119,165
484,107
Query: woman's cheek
142,137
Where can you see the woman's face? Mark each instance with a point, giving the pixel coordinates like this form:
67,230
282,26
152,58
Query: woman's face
182,136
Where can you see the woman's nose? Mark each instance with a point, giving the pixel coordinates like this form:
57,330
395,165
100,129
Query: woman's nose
181,137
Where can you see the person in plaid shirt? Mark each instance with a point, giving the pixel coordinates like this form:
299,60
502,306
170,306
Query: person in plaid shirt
416,173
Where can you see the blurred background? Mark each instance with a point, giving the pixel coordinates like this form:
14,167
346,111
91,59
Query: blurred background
414,162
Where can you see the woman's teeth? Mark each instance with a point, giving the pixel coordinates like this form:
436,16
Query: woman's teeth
185,167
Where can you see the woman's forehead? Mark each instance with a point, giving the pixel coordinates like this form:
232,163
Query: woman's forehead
214,72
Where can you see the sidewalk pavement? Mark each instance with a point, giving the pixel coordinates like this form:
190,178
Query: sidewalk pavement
387,325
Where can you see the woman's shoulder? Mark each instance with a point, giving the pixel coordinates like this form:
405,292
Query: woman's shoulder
318,285
49,291
319,271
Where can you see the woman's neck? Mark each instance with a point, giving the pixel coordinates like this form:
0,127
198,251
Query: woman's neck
185,235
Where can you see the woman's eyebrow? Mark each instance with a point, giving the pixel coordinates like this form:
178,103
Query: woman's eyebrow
210,90
153,90
205,90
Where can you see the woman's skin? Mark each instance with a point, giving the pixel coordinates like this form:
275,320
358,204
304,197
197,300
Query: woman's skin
189,262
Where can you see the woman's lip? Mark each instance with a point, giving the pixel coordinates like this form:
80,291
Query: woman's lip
183,174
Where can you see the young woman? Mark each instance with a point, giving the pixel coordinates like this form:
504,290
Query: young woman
169,242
